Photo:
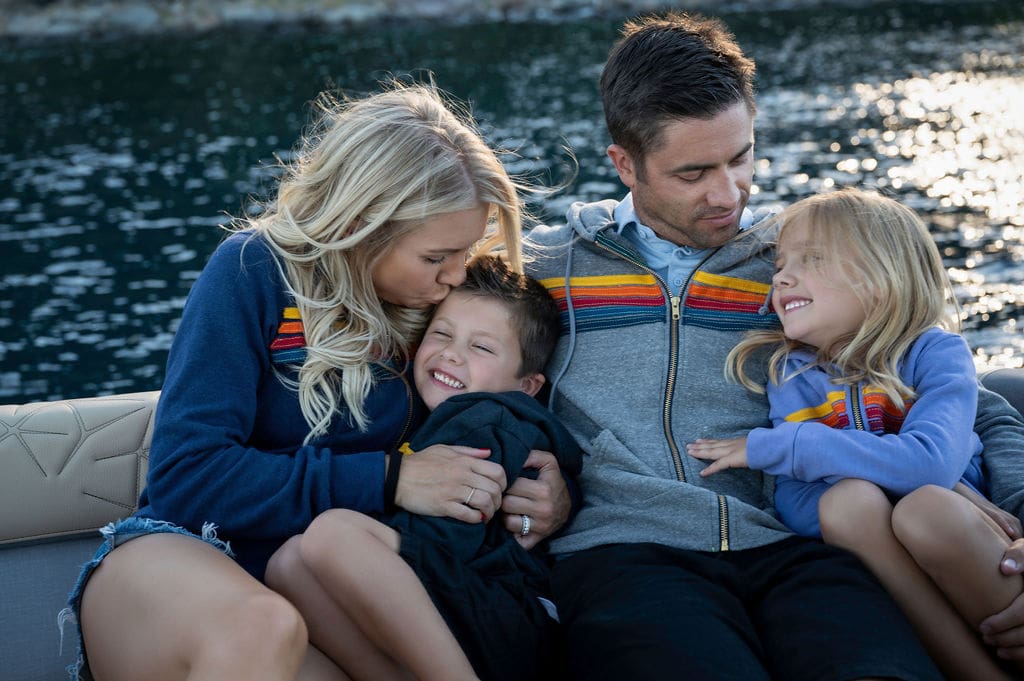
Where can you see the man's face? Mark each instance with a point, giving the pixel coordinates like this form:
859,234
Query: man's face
693,188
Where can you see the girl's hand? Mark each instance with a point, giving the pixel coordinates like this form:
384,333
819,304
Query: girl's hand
1007,522
453,481
723,453
545,500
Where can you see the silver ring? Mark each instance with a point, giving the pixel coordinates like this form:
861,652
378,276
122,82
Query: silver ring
526,526
472,491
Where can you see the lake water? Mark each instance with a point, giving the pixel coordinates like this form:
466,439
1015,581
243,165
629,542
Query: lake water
120,157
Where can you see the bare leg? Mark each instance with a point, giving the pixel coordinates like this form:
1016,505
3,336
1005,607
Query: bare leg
166,606
959,547
857,515
318,667
355,558
330,627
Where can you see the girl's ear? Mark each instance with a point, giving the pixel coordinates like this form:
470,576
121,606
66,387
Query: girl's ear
531,384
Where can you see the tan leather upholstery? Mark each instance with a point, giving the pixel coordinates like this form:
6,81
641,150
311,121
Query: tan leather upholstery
72,466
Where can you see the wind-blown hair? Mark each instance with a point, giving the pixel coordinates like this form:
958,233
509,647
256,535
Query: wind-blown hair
667,68
882,251
368,173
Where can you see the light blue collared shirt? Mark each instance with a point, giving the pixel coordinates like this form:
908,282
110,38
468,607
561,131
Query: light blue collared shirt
672,263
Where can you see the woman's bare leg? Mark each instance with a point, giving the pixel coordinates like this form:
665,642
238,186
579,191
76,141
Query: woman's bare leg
168,607
857,516
959,547
331,630
356,560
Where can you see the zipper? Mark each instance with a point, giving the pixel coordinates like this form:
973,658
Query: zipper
723,524
676,303
858,417
410,409
673,359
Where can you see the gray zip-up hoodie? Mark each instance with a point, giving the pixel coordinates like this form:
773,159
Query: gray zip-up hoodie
638,374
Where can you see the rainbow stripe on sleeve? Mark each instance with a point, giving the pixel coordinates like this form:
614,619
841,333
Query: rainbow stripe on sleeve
289,345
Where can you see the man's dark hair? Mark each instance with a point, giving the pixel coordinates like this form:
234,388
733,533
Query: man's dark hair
671,67
534,313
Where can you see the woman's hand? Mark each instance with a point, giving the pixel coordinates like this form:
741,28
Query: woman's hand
730,453
1006,521
453,481
545,501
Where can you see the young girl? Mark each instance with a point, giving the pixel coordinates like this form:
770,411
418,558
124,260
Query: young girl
873,404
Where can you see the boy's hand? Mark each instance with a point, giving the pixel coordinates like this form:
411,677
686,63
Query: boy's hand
545,500
723,453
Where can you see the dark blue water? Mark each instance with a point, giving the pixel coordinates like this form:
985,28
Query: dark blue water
119,157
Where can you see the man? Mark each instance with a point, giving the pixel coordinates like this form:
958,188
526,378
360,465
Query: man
662,572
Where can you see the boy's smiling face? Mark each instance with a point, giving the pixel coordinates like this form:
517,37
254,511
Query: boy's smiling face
470,346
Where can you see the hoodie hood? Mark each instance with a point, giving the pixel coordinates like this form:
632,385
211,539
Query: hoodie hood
587,219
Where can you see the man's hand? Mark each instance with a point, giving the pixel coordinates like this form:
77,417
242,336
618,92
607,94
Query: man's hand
1006,521
545,501
1005,629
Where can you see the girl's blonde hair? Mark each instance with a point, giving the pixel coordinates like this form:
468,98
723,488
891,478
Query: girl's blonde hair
882,251
368,173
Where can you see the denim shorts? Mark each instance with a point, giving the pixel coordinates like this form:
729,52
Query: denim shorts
115,534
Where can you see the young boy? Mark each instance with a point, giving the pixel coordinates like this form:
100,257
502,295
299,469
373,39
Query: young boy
477,369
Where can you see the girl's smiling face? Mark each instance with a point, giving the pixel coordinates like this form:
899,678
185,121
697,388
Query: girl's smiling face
812,296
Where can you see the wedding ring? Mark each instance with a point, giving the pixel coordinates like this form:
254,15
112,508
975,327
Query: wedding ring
526,526
472,491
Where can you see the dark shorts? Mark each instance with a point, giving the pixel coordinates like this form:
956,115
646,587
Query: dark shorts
796,610
493,606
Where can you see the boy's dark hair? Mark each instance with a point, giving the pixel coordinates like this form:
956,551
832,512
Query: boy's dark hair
671,67
534,313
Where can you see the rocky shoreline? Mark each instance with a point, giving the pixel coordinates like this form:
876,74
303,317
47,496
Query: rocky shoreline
99,18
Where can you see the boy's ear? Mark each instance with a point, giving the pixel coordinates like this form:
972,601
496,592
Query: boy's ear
531,384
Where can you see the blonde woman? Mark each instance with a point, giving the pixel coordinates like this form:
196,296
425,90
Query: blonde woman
872,403
287,390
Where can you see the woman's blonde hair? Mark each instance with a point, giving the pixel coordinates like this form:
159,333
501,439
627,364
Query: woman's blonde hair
882,251
369,172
